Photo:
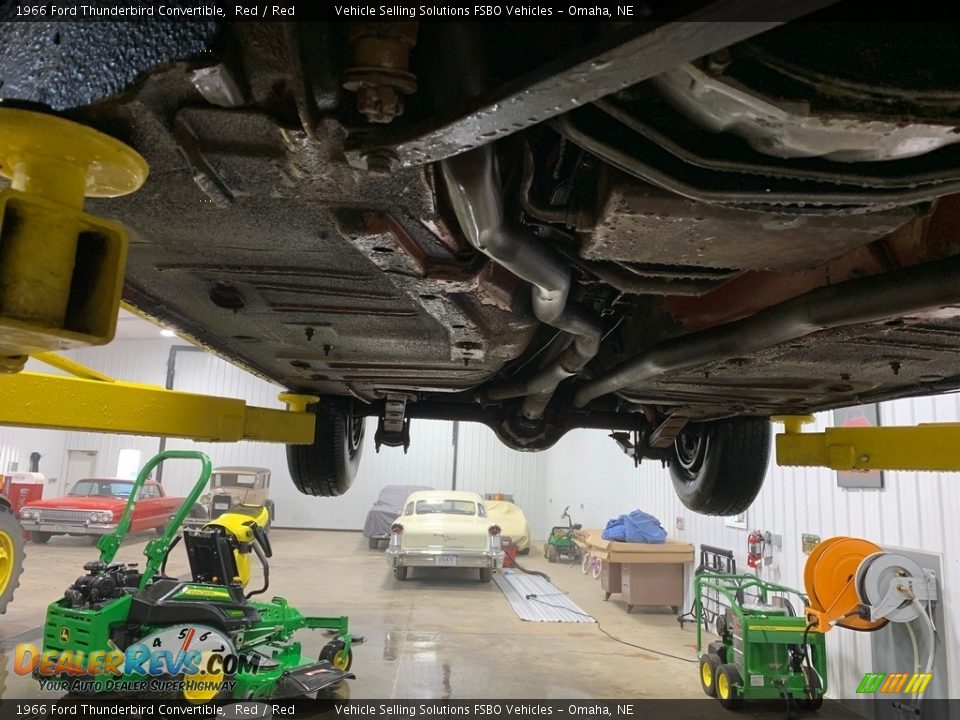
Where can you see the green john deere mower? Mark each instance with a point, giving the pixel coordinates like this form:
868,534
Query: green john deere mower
118,630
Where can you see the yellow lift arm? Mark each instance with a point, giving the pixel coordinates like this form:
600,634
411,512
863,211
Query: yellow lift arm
928,447
95,402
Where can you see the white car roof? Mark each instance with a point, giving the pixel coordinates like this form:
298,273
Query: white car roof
444,495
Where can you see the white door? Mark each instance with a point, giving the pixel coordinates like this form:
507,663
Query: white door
80,464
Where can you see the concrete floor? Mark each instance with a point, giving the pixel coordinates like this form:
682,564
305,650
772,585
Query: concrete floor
441,634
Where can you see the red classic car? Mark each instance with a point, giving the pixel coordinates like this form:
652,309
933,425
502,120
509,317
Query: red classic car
93,507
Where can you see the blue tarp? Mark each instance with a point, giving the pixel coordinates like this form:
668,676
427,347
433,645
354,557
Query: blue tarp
638,527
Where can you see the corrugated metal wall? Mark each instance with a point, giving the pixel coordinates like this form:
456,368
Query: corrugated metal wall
585,471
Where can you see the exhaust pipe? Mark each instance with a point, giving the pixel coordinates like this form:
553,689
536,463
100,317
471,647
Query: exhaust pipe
474,184
854,302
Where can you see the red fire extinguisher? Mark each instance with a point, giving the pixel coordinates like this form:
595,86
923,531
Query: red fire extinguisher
755,549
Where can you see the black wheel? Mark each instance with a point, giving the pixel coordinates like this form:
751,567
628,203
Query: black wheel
718,648
486,574
400,573
327,467
41,538
708,673
373,543
813,701
525,551
718,467
729,682
11,555
334,653
551,553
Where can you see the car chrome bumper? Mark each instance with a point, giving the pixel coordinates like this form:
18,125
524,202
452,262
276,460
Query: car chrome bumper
62,529
399,557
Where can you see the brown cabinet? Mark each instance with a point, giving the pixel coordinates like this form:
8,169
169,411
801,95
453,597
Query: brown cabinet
610,574
651,584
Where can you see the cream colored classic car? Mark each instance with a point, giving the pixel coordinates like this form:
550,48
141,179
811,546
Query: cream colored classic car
444,528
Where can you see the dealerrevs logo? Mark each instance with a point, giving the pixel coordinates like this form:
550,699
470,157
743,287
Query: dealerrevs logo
185,658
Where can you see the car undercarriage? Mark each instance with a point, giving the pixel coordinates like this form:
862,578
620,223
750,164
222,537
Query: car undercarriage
671,231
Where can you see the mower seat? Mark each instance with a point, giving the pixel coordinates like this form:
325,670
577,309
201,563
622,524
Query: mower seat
211,557
175,602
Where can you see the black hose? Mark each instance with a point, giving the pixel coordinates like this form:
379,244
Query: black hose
522,569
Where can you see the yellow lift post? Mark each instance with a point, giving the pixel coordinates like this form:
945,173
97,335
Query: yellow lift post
89,400
925,447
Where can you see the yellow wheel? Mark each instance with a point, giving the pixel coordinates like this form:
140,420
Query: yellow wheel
708,673
338,657
203,686
11,555
728,683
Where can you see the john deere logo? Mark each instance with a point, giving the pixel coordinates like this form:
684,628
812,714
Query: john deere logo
894,683
64,634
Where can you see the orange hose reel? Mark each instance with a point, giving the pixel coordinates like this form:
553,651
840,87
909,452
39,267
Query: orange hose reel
830,579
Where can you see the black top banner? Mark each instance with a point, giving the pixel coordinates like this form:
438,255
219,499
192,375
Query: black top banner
613,11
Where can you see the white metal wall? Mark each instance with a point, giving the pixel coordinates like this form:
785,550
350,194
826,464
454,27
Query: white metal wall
915,510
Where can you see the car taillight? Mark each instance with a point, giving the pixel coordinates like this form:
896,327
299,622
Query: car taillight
396,528
494,530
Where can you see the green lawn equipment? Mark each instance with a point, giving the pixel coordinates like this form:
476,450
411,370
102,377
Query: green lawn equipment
561,545
764,650
202,638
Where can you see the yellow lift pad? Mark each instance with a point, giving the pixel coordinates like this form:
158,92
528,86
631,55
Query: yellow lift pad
97,403
925,447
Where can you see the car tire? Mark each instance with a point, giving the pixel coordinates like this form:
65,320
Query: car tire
41,538
486,575
718,467
327,467
400,573
11,560
373,543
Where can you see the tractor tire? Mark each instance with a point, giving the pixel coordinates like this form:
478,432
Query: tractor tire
486,575
11,555
40,538
551,553
813,701
327,467
708,673
718,467
333,653
729,682
718,648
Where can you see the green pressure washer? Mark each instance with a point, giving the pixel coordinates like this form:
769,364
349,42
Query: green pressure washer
765,651
118,630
